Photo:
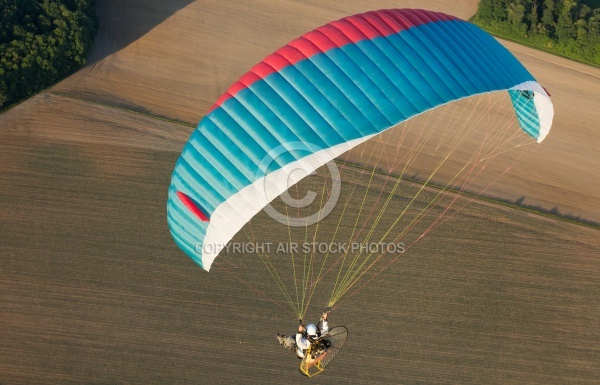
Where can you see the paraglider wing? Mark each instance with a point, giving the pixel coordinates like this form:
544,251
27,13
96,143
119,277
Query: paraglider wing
323,94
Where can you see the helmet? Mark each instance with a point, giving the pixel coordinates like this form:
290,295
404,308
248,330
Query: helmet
311,330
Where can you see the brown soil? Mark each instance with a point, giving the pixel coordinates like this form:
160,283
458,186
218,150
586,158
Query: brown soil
93,289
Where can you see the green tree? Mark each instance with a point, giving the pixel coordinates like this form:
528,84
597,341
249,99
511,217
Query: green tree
548,20
533,16
485,10
499,9
41,42
567,27
515,13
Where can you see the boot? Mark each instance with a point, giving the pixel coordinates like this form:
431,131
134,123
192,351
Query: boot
280,338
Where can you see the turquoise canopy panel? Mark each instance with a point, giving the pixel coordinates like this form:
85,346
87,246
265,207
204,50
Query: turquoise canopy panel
323,94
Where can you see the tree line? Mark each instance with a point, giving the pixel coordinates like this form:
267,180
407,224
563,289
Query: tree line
41,42
568,27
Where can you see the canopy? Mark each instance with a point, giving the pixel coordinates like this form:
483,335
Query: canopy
323,94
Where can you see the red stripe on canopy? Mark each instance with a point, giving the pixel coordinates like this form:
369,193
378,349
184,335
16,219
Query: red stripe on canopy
192,206
336,34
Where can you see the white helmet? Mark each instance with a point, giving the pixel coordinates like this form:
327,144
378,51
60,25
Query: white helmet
311,330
